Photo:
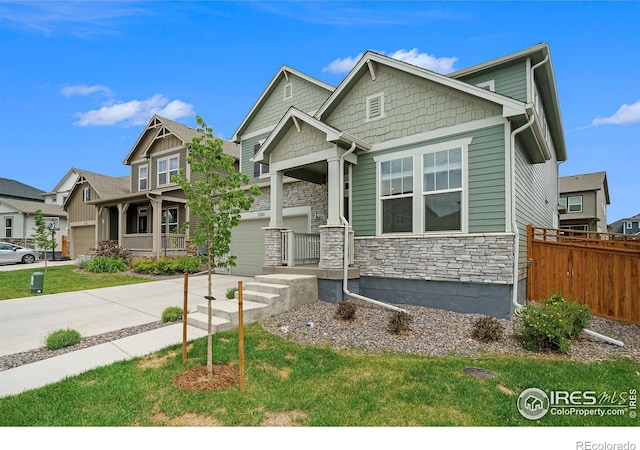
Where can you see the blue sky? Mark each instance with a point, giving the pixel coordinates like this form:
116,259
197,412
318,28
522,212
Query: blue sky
79,80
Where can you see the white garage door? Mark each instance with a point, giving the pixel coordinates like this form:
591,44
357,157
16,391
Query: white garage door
82,240
247,242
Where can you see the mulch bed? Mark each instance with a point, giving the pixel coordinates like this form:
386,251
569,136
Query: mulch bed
198,379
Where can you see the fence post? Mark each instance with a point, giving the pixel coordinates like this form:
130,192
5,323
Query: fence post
291,249
529,261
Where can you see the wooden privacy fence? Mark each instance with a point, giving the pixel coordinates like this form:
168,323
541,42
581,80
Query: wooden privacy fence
600,270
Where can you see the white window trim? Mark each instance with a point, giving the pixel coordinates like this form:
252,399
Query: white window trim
166,225
264,168
379,95
140,177
569,211
86,194
10,227
488,85
168,171
288,91
418,186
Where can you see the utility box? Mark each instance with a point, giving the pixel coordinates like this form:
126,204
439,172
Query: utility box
37,282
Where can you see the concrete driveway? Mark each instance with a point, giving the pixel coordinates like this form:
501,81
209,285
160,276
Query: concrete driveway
25,322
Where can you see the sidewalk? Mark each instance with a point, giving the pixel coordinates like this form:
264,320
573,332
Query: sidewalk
25,323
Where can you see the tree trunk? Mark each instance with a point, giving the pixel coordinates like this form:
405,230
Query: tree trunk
209,333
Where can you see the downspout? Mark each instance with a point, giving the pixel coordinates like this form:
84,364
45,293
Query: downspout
514,225
345,260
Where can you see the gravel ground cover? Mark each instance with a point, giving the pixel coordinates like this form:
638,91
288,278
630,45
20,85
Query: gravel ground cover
433,332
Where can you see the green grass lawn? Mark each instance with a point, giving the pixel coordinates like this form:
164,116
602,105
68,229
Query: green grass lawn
16,283
315,386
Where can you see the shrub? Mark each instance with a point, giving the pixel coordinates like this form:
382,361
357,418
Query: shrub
399,322
345,310
142,265
552,324
231,293
104,264
188,264
111,249
172,314
62,338
487,329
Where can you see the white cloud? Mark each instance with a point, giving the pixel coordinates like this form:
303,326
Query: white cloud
83,89
625,115
425,60
342,65
414,56
135,112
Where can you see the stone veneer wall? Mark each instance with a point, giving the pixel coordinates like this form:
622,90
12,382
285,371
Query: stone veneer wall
331,247
299,193
475,258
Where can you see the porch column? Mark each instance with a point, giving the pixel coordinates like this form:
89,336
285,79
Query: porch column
98,226
334,192
121,209
156,206
277,192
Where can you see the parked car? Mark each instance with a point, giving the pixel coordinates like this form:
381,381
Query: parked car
11,253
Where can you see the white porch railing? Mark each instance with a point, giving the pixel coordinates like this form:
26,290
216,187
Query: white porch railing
144,241
300,248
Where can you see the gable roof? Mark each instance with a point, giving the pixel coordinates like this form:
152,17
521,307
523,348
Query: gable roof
367,65
72,172
104,185
545,77
292,117
15,189
584,182
283,72
30,207
185,134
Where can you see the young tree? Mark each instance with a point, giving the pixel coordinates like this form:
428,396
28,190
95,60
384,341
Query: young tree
42,235
215,197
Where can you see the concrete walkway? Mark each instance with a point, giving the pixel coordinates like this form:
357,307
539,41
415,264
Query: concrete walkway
25,323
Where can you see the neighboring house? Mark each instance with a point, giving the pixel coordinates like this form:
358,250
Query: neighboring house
147,210
630,225
18,205
61,191
17,221
583,202
435,178
89,224
20,191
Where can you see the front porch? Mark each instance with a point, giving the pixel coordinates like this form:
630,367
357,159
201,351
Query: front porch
147,224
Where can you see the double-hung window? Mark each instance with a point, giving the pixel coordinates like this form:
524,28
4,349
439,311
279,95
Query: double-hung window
8,227
423,190
170,220
396,195
167,168
442,190
143,178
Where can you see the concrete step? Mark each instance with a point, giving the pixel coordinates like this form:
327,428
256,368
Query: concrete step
218,324
228,310
282,278
268,288
259,297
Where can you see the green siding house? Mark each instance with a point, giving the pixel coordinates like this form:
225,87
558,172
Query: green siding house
404,185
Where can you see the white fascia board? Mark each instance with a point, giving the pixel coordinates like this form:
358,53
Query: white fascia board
270,87
299,161
126,161
510,106
332,133
498,61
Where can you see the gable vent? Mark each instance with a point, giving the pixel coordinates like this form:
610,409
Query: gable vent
375,107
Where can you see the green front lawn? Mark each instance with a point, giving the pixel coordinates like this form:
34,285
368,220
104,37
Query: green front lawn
16,283
301,385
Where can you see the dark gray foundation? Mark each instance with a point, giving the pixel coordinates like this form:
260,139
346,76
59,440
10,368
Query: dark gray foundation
487,299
